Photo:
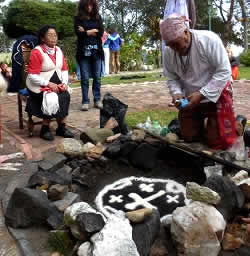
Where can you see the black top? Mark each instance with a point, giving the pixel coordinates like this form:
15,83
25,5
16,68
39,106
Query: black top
83,39
234,61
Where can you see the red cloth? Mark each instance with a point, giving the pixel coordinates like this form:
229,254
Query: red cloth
36,60
104,37
226,120
235,72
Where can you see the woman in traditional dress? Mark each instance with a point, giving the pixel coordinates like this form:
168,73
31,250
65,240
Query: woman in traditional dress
47,84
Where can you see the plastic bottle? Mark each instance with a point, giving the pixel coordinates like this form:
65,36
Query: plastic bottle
156,127
164,131
148,124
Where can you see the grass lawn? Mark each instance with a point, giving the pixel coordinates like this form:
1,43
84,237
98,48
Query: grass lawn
127,79
160,115
244,73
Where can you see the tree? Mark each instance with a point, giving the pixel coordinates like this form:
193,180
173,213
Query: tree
5,42
232,13
22,18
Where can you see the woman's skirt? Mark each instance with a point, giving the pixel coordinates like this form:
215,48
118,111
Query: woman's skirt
34,105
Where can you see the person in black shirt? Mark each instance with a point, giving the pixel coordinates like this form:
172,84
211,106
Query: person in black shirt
89,30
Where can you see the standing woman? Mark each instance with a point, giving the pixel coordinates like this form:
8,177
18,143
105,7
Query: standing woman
89,31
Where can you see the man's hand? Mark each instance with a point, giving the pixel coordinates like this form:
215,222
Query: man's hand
194,99
176,97
53,87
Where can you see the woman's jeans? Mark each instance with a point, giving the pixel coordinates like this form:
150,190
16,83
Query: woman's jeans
90,68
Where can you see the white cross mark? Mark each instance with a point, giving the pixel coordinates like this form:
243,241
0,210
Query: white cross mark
147,187
139,201
171,199
114,199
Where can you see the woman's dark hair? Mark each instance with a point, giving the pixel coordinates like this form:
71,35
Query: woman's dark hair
43,30
112,30
82,12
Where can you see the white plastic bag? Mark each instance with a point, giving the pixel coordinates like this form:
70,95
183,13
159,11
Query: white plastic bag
239,149
50,103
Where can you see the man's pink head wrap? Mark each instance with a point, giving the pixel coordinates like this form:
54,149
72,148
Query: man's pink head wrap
172,27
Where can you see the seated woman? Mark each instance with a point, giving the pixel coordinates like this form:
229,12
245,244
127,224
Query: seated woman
48,72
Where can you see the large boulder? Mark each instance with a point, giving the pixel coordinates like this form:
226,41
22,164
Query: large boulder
27,207
232,198
115,238
95,135
198,229
150,229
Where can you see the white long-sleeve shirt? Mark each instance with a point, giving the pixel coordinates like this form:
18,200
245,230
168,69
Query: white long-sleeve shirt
208,71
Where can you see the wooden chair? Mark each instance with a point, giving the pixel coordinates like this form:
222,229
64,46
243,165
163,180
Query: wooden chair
21,96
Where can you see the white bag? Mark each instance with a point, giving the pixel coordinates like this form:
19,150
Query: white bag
239,149
50,105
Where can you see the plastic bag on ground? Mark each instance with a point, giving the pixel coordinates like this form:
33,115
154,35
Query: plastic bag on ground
112,107
174,127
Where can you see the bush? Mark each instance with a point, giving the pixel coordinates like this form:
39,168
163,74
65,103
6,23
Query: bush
131,57
245,58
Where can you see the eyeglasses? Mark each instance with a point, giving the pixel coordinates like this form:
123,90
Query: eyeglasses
52,35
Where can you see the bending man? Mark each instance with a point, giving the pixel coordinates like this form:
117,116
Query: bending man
197,67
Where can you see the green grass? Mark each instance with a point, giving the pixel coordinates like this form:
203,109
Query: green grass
160,115
145,77
244,73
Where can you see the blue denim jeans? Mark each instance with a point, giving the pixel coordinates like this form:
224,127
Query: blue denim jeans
90,68
78,72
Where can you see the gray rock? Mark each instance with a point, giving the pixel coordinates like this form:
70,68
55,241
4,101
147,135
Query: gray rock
55,220
150,229
70,147
57,192
232,198
27,207
213,170
202,194
44,177
70,218
53,162
69,199
90,222
95,135
65,173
